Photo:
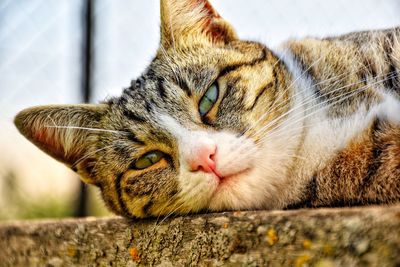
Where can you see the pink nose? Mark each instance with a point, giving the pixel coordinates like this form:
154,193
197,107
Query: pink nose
201,158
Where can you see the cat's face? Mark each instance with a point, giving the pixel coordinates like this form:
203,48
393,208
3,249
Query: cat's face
186,135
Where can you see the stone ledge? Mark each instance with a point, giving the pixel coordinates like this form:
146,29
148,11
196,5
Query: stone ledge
362,236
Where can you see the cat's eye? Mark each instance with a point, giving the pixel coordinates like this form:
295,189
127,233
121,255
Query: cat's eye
148,160
208,100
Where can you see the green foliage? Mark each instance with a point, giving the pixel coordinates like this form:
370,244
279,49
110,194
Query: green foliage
19,206
45,208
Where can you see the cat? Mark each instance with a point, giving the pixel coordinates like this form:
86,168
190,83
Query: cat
217,123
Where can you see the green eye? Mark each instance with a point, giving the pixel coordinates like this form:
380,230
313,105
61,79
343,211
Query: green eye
208,100
148,159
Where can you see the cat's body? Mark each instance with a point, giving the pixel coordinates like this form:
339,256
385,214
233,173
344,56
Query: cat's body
216,123
350,151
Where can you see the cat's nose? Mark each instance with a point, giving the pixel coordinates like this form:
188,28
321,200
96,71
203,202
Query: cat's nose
202,158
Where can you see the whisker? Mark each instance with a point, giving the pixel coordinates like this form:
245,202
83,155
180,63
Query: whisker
324,102
90,154
293,82
347,95
311,97
305,101
281,104
157,223
176,208
86,129
339,98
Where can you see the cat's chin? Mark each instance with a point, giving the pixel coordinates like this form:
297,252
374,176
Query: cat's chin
224,190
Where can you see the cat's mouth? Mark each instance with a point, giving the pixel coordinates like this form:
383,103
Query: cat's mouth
224,180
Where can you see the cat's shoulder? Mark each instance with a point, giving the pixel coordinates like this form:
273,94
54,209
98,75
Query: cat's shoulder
385,37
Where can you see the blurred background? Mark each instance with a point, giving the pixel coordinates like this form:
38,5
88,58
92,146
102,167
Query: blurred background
73,51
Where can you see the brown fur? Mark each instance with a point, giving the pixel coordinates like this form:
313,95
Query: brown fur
367,171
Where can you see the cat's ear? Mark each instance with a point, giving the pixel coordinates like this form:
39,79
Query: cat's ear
191,20
63,132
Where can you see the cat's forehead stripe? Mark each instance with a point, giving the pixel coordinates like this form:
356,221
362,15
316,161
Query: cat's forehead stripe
183,85
161,87
133,116
132,137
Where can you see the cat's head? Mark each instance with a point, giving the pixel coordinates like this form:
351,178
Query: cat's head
185,136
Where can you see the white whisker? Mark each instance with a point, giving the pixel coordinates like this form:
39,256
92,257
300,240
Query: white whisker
91,154
322,103
323,106
86,129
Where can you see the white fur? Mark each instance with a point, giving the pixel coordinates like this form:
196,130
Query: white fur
389,108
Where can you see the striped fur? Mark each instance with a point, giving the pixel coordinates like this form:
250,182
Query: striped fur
313,123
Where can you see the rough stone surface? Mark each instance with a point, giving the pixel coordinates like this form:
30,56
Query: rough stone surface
366,236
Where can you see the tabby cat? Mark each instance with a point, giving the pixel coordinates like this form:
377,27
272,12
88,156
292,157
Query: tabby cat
217,123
